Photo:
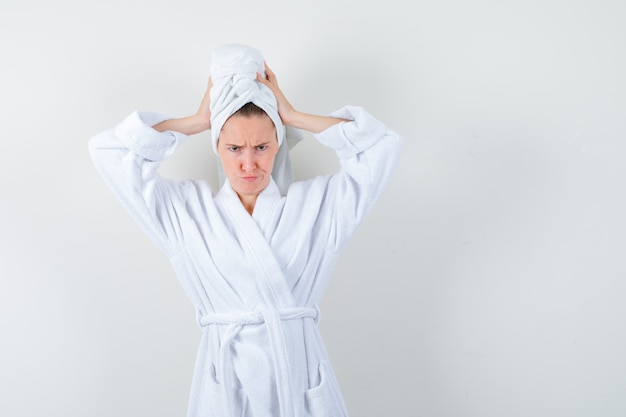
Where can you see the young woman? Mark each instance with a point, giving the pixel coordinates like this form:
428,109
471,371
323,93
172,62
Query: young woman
255,256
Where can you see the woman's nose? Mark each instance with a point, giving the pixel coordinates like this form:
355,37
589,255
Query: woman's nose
248,162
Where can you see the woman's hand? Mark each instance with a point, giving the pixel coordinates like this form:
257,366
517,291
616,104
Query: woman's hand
191,125
285,110
288,114
204,111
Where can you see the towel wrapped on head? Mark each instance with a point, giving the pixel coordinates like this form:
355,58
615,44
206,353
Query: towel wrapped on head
233,74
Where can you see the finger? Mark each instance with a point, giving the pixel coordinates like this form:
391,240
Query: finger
261,79
270,74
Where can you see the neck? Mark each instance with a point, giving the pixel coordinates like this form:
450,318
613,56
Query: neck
248,202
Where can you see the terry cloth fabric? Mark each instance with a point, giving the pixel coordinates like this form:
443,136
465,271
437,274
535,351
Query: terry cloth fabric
261,353
233,73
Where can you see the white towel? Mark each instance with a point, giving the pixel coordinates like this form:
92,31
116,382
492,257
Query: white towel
233,73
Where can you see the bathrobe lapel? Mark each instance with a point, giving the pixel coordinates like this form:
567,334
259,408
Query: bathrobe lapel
270,278
278,301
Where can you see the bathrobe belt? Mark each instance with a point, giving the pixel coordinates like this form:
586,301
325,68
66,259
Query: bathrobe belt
272,318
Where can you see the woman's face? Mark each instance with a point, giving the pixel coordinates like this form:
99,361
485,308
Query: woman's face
247,147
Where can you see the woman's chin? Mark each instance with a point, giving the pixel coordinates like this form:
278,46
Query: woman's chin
250,187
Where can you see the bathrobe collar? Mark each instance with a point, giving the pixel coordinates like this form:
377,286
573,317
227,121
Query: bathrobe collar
265,203
250,230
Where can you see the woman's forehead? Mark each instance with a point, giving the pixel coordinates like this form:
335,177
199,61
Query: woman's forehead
248,128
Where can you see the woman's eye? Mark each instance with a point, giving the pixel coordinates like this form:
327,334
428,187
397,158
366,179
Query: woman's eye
261,147
234,148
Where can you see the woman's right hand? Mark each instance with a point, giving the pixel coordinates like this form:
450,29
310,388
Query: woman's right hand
190,125
204,111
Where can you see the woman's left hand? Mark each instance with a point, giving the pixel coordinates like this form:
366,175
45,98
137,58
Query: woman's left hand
288,114
285,110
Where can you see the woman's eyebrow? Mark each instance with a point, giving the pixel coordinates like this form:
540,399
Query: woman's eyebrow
241,146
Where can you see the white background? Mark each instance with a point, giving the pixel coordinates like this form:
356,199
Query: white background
488,281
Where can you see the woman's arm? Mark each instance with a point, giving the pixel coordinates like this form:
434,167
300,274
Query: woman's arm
128,158
190,125
289,115
368,152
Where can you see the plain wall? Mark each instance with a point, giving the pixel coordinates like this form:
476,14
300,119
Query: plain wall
488,281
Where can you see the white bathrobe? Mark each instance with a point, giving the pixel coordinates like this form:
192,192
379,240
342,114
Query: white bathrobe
255,280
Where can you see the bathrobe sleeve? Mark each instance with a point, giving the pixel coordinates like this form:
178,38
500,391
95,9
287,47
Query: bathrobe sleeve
128,157
368,152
